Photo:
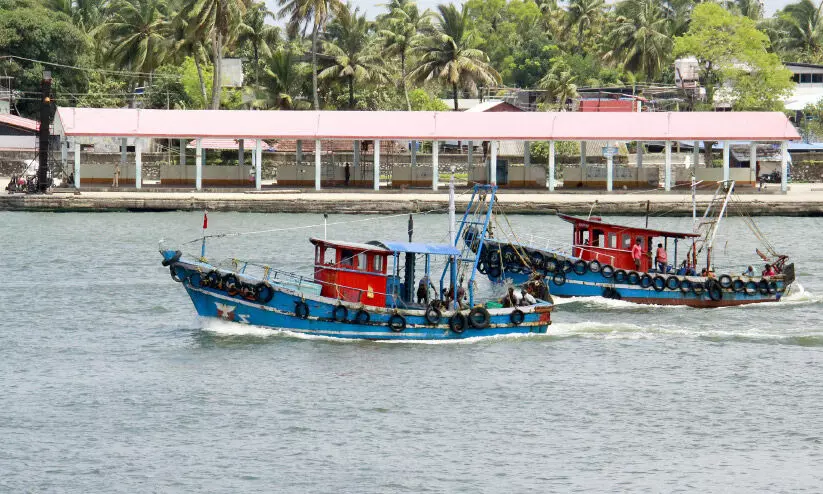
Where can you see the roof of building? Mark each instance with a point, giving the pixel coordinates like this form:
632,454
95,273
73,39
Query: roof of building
418,248
19,122
493,105
759,126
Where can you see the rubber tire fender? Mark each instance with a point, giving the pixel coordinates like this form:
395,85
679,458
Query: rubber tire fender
772,287
397,323
559,279
517,317
633,278
715,290
566,265
433,315
537,260
176,277
362,317
551,265
611,293
482,267
510,255
479,318
659,283
672,283
176,257
725,281
231,285
595,266
751,288
685,286
698,288
495,271
457,322
196,279
580,267
607,271
738,285
301,309
340,313
646,280
620,276
265,292
763,287
213,279
248,291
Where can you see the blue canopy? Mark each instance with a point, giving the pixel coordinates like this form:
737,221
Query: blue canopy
416,248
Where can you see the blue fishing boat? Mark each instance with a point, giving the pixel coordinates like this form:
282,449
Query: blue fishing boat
365,290
632,264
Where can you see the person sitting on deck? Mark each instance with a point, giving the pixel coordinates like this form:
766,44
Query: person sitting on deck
510,299
526,298
423,289
768,271
661,258
637,253
748,272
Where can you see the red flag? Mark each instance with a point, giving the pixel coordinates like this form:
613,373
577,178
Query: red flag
205,220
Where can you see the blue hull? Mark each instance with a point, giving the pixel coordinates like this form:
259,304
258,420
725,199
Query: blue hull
281,312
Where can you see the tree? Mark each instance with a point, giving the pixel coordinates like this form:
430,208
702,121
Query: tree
256,33
640,39
138,31
282,78
448,54
85,14
190,45
353,59
801,29
404,23
316,12
582,15
558,86
730,49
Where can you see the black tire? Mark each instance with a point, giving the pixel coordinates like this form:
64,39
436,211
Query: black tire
566,266
433,315
751,288
537,260
517,317
301,309
672,283
763,287
685,286
340,313
231,285
633,278
482,267
698,288
176,257
559,279
196,279
213,279
595,266
510,255
738,285
178,274
248,291
715,290
620,276
611,293
646,280
772,287
495,271
457,322
580,267
725,281
551,265
659,283
264,292
607,271
479,318
397,323
362,317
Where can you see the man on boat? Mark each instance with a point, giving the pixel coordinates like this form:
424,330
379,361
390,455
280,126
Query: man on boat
749,272
769,271
637,253
423,289
661,258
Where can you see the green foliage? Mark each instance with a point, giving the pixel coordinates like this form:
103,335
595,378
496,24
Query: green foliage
191,82
540,150
104,93
168,89
422,100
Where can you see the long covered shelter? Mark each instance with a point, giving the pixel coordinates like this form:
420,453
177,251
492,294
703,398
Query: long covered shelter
377,126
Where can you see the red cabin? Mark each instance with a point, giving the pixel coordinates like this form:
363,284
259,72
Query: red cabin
612,244
351,271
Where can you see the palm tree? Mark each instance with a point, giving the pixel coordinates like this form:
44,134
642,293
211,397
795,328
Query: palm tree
218,21
85,14
753,9
447,53
582,15
282,77
138,32
640,39
353,59
258,34
558,86
802,23
188,44
403,25
316,12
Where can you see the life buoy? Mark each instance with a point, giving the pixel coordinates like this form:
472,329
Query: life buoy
231,285
738,285
659,283
559,279
264,292
397,323
516,317
301,309
173,259
611,293
725,281
715,290
685,286
607,271
479,317
751,288
763,287
698,288
433,315
646,280
551,265
362,317
457,322
566,265
620,276
594,266
177,273
672,283
580,267
340,313
633,278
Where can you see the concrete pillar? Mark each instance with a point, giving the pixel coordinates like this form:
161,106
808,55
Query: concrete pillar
241,152
582,153
138,163
784,166
753,161
123,149
695,153
667,179
551,165
64,152
609,171
376,165
258,164
413,153
493,164
470,153
435,164
317,163
198,164
183,152
726,159
527,153
356,154
76,164
299,151
640,154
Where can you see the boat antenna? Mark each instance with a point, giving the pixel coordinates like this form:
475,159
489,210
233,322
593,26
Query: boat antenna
648,205
694,204
592,209
325,223
730,185
411,226
452,240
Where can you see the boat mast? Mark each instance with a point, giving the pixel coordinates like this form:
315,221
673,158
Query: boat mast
717,224
694,204
451,210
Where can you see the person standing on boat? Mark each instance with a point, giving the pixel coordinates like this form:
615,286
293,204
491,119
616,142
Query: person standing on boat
661,258
423,289
769,271
637,253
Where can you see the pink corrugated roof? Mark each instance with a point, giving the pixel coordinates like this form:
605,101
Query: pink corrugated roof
248,144
20,122
533,126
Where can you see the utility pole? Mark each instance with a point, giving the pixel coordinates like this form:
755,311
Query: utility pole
45,134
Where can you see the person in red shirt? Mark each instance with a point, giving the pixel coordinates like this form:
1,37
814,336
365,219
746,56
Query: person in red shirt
637,253
769,271
661,258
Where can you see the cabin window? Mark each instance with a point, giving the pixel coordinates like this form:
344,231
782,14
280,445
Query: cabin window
627,241
612,241
805,78
346,257
597,238
377,264
361,261
329,256
817,78
318,255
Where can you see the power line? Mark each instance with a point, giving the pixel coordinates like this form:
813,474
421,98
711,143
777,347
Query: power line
89,69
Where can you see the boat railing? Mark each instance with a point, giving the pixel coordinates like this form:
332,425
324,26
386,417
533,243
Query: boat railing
543,243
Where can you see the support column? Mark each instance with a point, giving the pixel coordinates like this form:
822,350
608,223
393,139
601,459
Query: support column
123,149
356,154
640,154
527,154
493,164
198,165
413,153
138,163
784,166
183,152
76,164
317,164
583,162
299,151
726,159
753,161
64,152
241,152
258,164
376,165
609,170
471,154
667,180
695,153
551,165
435,164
